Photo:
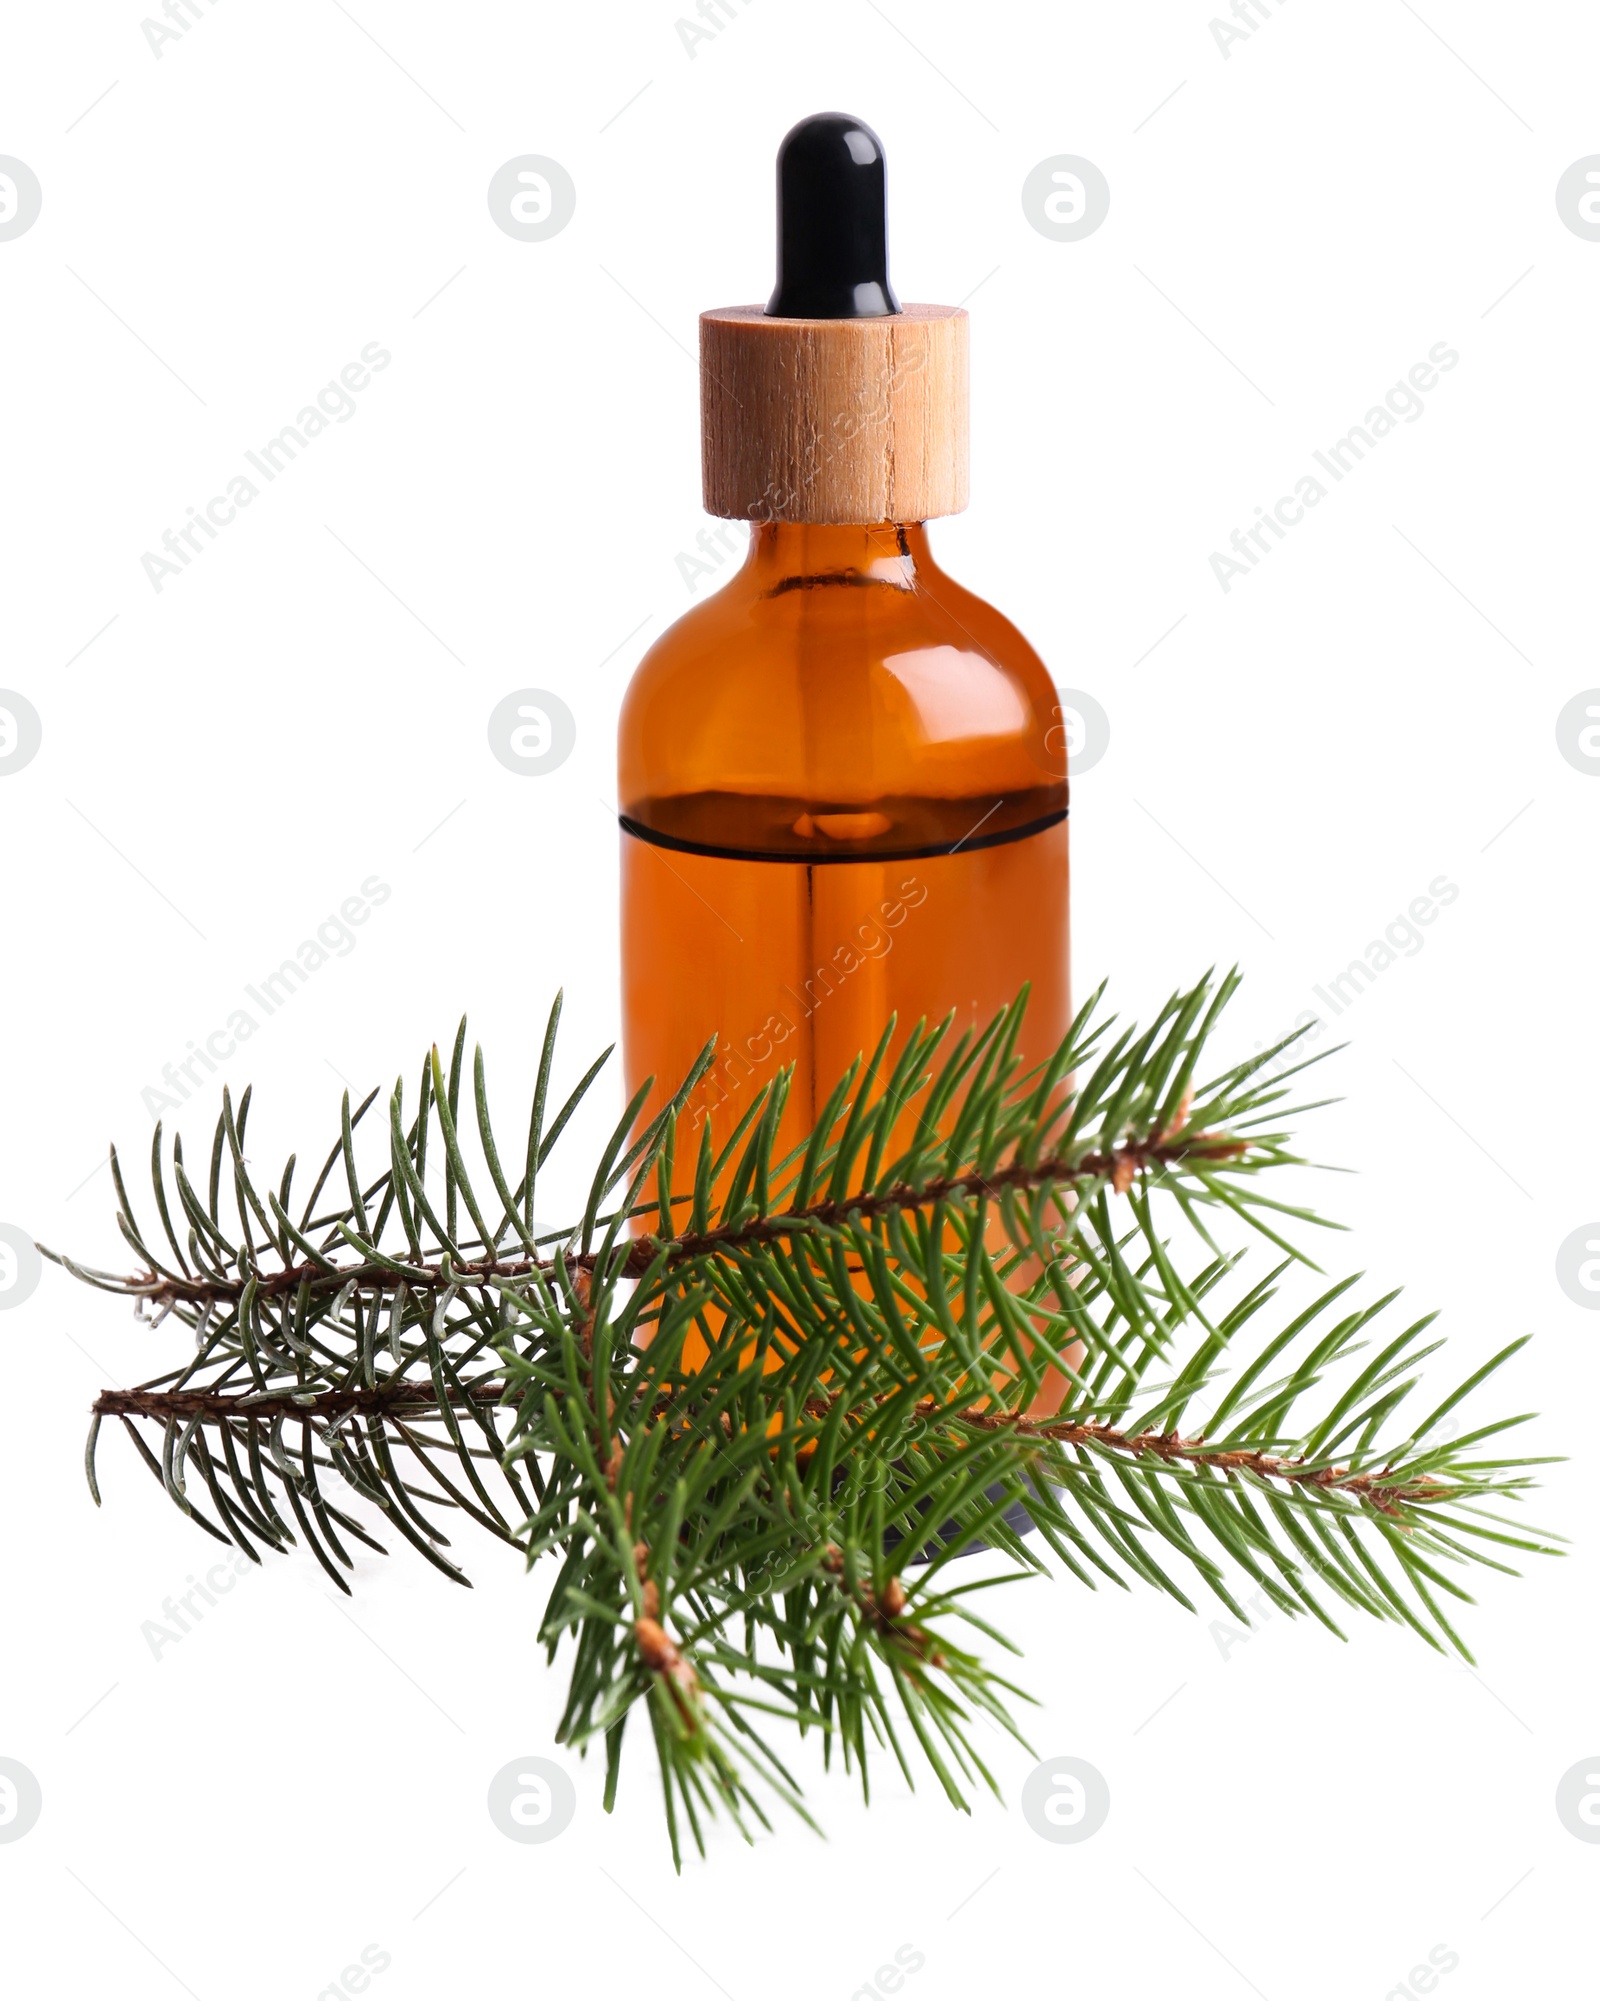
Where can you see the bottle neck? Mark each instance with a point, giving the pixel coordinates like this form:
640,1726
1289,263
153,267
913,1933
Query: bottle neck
784,554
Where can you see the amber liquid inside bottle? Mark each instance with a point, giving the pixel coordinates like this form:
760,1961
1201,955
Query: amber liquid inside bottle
843,796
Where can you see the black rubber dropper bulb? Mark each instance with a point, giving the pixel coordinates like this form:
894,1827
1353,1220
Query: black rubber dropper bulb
833,231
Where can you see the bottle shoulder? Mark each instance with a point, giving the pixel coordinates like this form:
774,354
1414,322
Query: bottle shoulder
840,689
744,634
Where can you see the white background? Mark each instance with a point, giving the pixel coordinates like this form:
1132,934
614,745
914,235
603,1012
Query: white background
1296,759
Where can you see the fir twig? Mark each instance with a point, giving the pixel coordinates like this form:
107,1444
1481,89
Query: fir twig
754,1422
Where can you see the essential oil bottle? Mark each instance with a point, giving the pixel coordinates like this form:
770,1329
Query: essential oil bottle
842,778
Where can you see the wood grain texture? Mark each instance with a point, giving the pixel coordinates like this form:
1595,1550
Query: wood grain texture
834,420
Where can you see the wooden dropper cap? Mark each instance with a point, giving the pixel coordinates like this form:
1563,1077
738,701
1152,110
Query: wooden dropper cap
834,404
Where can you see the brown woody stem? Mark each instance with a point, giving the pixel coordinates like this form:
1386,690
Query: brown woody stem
1377,1489
1120,1167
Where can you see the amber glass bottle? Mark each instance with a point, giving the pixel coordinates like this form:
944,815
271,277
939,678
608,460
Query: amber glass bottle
842,778
843,792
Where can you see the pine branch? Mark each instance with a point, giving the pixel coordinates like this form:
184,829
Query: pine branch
1120,1167
398,1398
757,1413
